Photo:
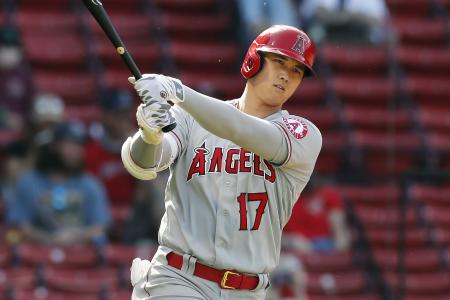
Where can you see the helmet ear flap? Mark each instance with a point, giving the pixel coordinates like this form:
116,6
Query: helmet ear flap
252,63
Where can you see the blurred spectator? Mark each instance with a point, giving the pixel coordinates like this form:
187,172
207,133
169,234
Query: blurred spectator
56,202
257,15
47,111
317,223
103,150
345,21
289,279
15,81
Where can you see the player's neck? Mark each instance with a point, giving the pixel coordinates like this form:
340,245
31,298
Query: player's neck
252,106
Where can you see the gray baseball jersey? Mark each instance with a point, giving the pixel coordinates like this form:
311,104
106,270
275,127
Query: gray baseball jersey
228,206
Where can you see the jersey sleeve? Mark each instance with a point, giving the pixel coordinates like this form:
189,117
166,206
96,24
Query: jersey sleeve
304,142
184,124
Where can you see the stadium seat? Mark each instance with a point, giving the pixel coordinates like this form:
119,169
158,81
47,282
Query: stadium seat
45,6
408,8
364,91
146,53
373,195
19,277
428,90
435,119
130,26
311,93
343,283
443,296
192,6
75,257
425,284
437,215
439,141
73,87
430,194
47,22
337,261
416,260
362,296
57,52
194,27
215,57
377,118
5,255
230,86
355,59
41,293
417,31
81,281
375,217
123,255
415,237
419,60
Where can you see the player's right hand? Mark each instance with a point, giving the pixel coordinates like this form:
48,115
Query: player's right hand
151,117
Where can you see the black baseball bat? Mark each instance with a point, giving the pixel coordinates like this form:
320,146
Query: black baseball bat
97,10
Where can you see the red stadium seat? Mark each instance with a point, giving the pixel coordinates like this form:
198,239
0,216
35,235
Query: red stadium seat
379,118
230,86
437,215
421,31
194,6
416,260
435,119
186,27
82,281
386,237
359,59
121,6
212,56
408,8
364,91
345,283
41,293
374,195
337,261
47,22
420,60
145,53
130,26
45,6
430,194
426,284
323,117
428,90
76,257
123,255
311,92
119,295
55,51
5,255
21,277
375,217
443,296
439,141
73,87
362,296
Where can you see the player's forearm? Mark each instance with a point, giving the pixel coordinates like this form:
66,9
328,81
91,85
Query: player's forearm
143,154
225,121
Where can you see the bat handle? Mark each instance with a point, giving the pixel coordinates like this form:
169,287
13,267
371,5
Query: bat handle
137,74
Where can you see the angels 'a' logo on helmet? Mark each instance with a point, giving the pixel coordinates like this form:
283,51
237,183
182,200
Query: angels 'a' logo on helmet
300,44
297,127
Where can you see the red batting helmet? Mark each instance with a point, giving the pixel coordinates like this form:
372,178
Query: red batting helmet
280,39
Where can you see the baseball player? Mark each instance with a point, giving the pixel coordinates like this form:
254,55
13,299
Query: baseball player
236,169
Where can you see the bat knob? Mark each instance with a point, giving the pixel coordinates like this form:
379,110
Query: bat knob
169,127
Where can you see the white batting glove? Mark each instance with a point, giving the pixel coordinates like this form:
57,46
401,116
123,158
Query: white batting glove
156,86
151,117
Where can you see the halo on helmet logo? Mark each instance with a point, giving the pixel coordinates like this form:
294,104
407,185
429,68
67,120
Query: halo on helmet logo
300,43
163,94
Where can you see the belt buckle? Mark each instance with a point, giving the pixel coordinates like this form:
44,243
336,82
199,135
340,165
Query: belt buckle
223,283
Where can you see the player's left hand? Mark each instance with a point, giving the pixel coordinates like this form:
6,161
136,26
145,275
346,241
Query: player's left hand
159,87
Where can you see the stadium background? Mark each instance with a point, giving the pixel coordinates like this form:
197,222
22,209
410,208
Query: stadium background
383,109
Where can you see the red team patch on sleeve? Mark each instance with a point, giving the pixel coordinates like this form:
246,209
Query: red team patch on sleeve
298,128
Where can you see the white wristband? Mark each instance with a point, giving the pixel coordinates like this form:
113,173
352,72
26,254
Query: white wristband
132,168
